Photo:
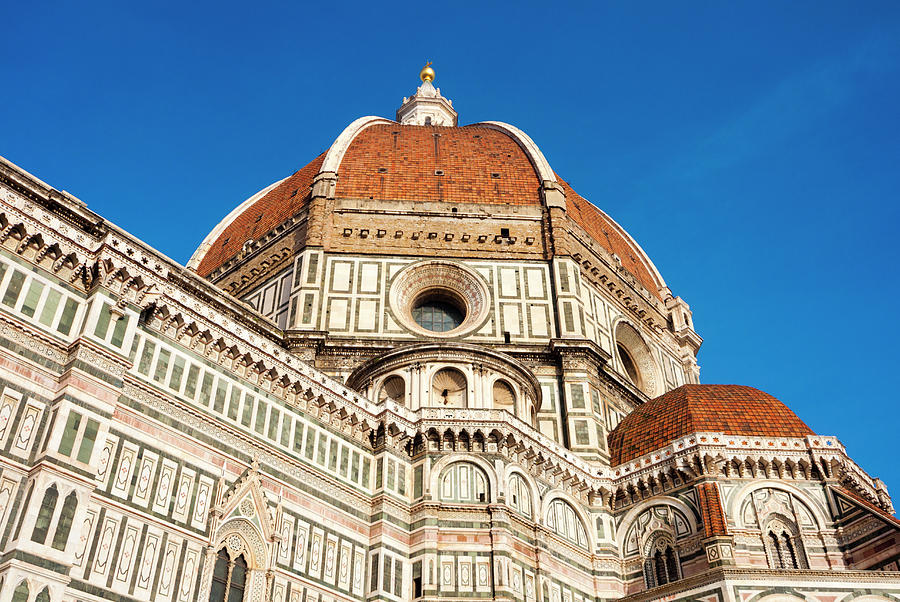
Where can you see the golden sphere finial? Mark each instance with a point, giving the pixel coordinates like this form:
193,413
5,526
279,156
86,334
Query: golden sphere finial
427,73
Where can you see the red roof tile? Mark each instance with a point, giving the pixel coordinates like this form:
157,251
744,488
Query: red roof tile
398,162
727,409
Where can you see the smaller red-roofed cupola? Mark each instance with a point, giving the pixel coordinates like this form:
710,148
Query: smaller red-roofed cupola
726,409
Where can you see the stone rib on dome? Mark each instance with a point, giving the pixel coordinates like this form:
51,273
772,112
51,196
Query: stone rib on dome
727,409
282,202
602,229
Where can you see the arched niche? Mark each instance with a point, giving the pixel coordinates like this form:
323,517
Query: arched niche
503,396
482,368
393,387
634,360
449,388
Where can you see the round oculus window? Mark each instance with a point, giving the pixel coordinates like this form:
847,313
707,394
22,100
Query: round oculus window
440,299
438,312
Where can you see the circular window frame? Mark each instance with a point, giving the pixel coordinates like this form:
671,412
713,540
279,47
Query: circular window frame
440,279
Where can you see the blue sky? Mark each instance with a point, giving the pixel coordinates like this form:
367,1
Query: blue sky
751,148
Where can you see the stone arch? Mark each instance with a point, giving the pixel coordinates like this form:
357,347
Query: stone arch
240,537
65,521
661,561
783,543
655,539
501,391
441,374
464,483
47,510
438,468
529,480
22,591
688,512
393,386
736,499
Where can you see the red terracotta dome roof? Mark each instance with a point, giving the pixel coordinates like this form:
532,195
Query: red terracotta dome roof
391,162
479,165
727,409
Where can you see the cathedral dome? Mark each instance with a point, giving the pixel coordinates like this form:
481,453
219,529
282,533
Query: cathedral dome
490,166
727,409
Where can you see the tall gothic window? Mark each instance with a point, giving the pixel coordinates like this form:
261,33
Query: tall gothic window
64,525
45,515
238,580
662,565
671,564
229,578
44,596
782,548
776,560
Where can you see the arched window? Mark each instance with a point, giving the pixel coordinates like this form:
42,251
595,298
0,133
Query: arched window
21,593
220,577
229,578
518,495
64,525
662,565
44,596
464,482
783,547
562,520
659,568
45,515
672,564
